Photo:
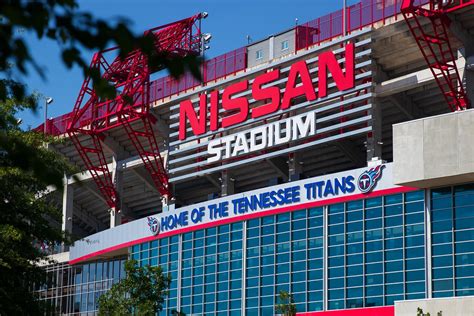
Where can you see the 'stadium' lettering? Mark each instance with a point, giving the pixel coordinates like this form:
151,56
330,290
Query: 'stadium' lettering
236,108
262,137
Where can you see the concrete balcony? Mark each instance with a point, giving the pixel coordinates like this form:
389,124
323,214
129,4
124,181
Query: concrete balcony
434,151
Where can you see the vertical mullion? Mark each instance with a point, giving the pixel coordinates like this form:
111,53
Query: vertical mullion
428,250
453,244
383,245
180,258
244,267
325,258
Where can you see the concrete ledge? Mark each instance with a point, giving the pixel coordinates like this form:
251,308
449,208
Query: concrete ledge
434,151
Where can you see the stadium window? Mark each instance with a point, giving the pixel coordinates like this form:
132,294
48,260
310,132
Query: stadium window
284,45
259,54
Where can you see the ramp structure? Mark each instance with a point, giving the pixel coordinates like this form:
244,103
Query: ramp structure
130,109
434,43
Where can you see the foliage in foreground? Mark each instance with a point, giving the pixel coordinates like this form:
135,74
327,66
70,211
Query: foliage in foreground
419,312
286,304
142,292
27,168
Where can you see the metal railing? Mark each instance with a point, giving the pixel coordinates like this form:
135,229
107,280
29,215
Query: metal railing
211,70
359,15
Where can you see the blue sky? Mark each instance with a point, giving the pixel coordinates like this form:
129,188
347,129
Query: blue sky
229,22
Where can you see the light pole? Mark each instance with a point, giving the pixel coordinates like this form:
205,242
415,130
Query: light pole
344,17
47,101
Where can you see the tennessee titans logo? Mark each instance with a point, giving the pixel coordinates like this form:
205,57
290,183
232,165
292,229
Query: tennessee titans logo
369,178
154,225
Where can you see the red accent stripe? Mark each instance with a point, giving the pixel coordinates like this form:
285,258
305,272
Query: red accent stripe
246,217
368,311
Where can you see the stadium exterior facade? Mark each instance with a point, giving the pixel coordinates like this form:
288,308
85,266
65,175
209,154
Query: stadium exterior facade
325,161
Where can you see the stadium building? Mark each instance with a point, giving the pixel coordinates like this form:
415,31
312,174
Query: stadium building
333,160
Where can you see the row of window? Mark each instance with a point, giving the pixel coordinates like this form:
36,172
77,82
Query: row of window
284,46
375,255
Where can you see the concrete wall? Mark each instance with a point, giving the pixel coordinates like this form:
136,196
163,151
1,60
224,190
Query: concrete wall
288,36
271,48
434,151
459,306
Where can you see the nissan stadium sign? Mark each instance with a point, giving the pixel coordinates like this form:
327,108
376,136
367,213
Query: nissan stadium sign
321,95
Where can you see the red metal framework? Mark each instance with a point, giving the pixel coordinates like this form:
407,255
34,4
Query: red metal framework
130,109
433,41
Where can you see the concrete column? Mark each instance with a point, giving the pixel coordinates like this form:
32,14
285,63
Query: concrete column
295,166
115,218
374,139
228,183
68,207
271,48
117,178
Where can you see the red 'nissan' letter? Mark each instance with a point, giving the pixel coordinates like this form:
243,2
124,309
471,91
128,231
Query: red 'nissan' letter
214,115
240,104
298,69
260,93
186,110
327,60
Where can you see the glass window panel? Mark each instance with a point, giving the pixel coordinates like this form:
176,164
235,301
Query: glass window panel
414,218
415,264
464,235
355,226
415,287
465,259
464,223
355,292
354,216
414,207
336,219
336,208
442,238
443,249
373,224
373,213
394,288
415,275
374,290
283,217
355,270
441,203
393,199
415,196
465,283
393,210
315,211
336,294
373,202
355,281
442,261
443,273
415,241
373,234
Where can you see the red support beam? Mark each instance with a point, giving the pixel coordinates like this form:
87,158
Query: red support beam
434,43
130,109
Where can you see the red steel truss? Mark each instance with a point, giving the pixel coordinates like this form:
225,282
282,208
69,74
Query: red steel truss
433,41
130,109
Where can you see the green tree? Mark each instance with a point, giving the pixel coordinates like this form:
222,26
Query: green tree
286,304
142,292
74,31
27,168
